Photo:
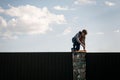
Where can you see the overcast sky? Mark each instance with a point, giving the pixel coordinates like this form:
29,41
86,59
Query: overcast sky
49,25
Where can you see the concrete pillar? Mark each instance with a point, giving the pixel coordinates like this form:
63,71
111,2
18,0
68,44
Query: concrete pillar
79,65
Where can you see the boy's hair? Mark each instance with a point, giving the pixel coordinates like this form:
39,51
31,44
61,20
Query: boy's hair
84,31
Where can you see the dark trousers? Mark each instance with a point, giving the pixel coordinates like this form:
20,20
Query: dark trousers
76,45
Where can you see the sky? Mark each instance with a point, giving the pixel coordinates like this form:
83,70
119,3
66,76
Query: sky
49,25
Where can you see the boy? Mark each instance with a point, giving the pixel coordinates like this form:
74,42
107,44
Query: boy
79,39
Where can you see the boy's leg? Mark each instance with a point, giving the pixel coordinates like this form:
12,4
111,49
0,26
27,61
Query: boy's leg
77,46
73,49
74,44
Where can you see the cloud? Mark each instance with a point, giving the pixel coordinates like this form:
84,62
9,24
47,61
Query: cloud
75,18
67,31
100,33
3,22
9,35
108,3
1,10
62,8
117,31
83,2
30,20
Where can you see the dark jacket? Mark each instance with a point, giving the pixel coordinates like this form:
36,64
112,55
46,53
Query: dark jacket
79,38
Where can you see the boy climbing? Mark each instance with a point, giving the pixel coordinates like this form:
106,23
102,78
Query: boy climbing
79,39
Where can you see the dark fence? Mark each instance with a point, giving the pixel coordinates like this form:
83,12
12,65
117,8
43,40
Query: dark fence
36,66
57,66
103,66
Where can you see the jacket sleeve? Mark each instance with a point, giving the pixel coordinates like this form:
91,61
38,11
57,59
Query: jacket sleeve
84,40
77,38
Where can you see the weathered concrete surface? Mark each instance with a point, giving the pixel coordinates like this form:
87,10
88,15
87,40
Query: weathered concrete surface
79,65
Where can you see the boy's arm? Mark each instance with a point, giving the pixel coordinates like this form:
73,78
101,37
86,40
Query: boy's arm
78,40
82,43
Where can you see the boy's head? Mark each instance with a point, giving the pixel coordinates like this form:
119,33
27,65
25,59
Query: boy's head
84,32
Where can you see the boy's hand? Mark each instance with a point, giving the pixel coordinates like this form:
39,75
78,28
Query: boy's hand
84,50
83,46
